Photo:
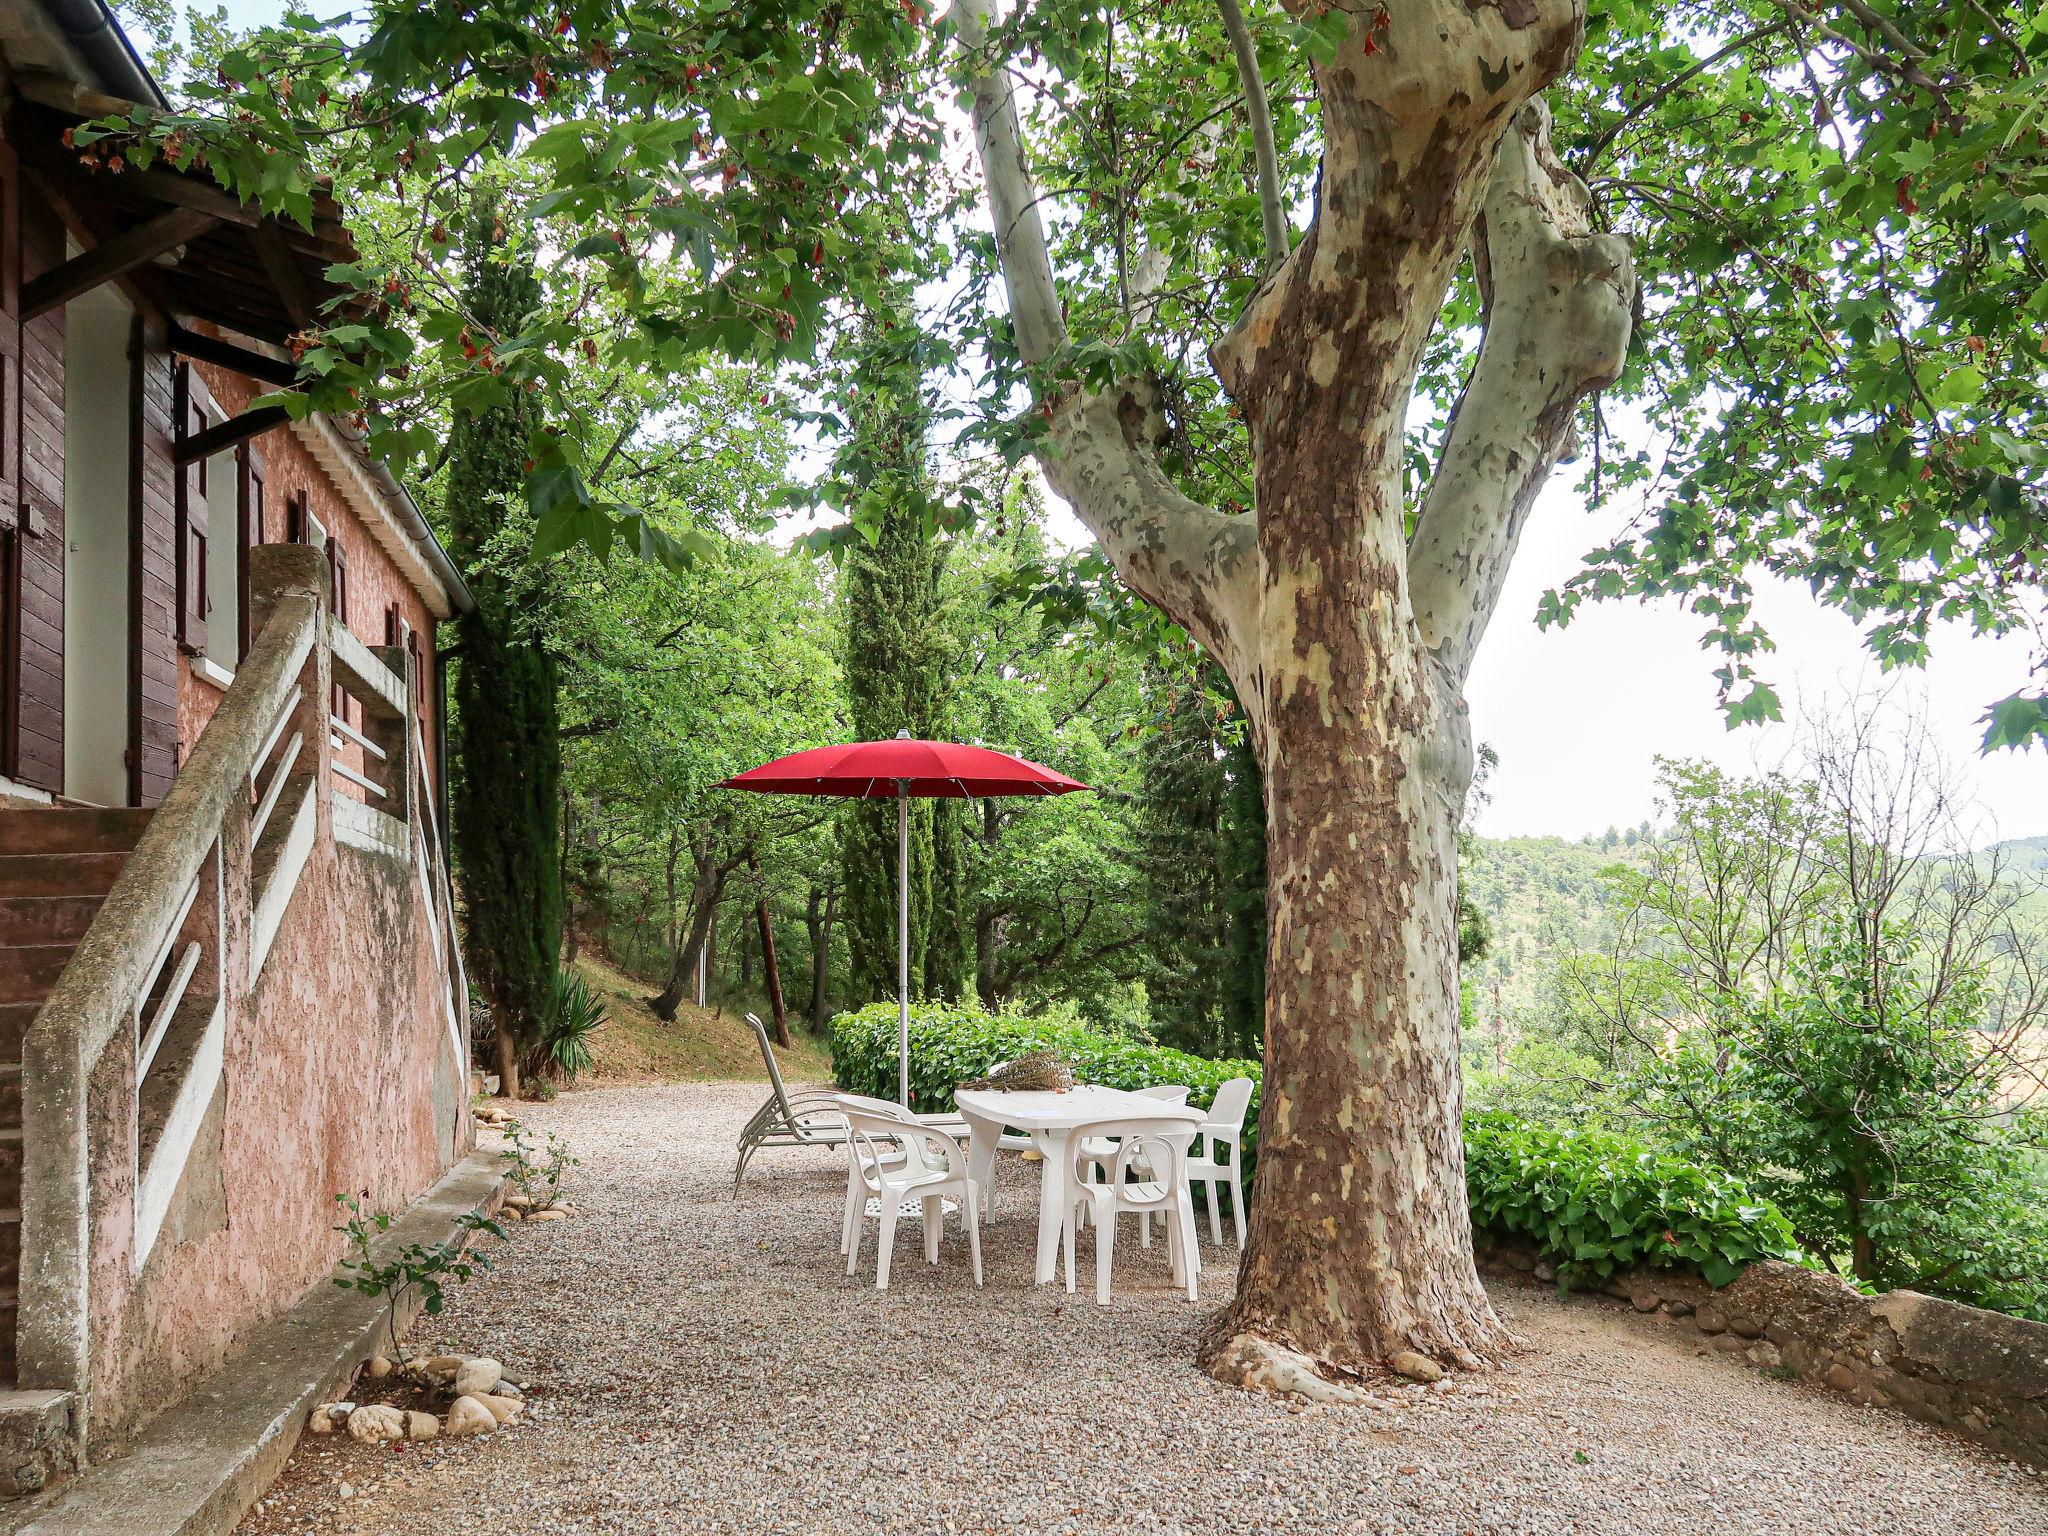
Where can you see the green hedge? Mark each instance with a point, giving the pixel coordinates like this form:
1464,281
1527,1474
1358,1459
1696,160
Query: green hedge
1589,1202
949,1045
1592,1202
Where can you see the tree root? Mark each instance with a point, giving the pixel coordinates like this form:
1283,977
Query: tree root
1254,1364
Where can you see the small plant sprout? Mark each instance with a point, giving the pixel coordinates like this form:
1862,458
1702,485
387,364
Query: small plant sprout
538,1170
427,1266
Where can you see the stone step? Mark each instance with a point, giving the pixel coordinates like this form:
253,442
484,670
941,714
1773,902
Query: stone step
46,919
70,829
28,971
59,874
38,1437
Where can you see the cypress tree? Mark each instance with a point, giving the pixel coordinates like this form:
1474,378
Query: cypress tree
896,680
1202,849
506,789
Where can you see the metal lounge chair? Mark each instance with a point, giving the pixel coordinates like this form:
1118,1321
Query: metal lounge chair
811,1118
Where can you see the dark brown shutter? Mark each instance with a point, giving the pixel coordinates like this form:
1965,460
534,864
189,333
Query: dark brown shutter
190,402
337,567
11,494
249,533
295,518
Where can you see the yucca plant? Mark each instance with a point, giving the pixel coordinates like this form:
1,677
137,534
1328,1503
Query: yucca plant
570,1014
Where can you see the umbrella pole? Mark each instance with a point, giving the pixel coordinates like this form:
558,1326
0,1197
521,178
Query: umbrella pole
903,941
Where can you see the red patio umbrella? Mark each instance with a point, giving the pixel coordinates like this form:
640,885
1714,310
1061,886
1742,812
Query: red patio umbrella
905,768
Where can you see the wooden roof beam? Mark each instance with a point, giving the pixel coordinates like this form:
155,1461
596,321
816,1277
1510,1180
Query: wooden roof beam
224,435
260,366
111,258
284,273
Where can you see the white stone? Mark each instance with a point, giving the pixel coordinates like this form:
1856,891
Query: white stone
468,1416
322,1420
421,1426
549,1215
378,1368
503,1409
374,1422
478,1376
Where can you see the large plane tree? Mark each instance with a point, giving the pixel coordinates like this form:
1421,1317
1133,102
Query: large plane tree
1301,306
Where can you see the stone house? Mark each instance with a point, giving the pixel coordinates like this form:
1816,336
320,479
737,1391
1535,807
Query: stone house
229,983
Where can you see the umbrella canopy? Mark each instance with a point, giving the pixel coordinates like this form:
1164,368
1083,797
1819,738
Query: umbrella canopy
875,770
905,768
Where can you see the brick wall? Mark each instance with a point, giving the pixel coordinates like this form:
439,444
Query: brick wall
374,580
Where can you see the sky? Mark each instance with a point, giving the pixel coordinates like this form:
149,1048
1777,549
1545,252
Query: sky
1579,715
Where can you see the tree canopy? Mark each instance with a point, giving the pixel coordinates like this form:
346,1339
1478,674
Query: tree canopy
1836,210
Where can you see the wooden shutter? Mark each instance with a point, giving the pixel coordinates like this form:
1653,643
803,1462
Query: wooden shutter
12,498
248,534
191,403
337,567
295,518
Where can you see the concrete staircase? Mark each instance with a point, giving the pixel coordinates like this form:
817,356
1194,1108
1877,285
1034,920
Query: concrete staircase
56,867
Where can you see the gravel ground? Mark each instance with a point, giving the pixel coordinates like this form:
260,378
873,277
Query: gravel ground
697,1364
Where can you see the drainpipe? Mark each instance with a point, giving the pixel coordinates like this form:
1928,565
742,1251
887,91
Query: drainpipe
89,26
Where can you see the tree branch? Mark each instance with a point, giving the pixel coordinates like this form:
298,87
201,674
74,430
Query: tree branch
1197,565
1272,213
1020,234
1558,299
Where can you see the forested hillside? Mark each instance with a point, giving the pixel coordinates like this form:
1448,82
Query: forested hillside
1539,896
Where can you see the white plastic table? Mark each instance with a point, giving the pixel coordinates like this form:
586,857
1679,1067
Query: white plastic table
1049,1120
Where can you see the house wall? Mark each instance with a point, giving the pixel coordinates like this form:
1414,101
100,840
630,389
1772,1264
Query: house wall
339,1078
374,581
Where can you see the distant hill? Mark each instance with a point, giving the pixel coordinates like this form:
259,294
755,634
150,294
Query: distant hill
2024,853
1540,896
1543,896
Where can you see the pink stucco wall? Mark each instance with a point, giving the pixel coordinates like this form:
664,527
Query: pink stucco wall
339,1076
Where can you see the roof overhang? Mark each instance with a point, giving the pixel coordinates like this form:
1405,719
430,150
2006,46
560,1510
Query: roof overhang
234,284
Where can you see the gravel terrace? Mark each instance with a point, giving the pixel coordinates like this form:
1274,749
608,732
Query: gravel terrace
696,1364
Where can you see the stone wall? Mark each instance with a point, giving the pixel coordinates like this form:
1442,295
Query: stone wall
1982,1374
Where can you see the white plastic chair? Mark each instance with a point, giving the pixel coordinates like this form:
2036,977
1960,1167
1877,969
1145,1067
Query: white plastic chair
1101,1151
1155,1151
896,1157
1224,1127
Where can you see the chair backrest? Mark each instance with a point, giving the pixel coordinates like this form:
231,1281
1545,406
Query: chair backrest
1154,1148
1171,1093
869,1121
1227,1109
774,1072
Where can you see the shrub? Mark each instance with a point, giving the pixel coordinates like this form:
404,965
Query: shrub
1592,1202
949,1044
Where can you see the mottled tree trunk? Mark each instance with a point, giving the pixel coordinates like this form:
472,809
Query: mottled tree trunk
1367,755
1347,636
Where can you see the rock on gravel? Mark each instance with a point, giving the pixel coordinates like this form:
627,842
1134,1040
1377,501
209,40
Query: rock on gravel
478,1376
699,1364
375,1422
469,1416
